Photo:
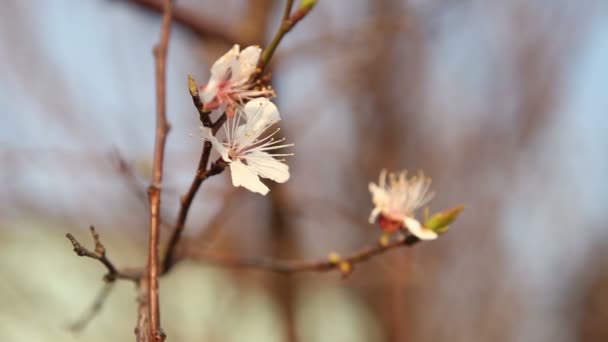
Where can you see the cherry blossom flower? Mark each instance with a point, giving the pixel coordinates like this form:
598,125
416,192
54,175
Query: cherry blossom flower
248,155
230,84
396,202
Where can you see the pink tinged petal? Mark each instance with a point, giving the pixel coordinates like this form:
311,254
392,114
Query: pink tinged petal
247,62
266,166
414,227
245,177
219,71
217,145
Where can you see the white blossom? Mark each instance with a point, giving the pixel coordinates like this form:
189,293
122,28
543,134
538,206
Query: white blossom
249,156
230,84
396,201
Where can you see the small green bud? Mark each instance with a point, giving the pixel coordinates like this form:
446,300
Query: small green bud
439,223
307,5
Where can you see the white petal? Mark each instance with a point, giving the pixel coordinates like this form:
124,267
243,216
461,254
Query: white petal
266,166
414,227
374,215
247,62
217,145
260,114
243,176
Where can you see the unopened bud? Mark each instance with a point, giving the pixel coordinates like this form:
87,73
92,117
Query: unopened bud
307,4
345,268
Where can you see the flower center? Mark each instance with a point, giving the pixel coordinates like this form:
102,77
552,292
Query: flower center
389,225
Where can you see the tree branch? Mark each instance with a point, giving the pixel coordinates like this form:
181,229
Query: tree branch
155,332
287,267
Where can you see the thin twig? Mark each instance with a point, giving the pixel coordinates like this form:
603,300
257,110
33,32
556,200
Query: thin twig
287,11
287,267
287,24
99,254
95,308
155,332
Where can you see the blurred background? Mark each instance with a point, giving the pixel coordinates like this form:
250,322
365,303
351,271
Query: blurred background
502,103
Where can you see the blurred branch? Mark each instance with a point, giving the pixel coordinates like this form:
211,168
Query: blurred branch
99,254
95,308
205,28
345,265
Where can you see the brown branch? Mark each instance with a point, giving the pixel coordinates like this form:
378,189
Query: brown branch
99,254
143,310
288,267
155,332
201,174
205,28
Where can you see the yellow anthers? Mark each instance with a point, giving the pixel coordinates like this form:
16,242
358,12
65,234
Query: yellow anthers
333,257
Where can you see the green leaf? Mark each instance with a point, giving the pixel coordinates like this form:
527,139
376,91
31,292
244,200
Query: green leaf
439,222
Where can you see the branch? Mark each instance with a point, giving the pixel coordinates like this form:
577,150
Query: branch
287,267
155,332
99,254
205,28
287,24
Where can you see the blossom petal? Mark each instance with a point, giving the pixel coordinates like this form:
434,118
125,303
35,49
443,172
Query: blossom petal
260,114
266,166
219,71
414,227
247,62
243,176
217,145
380,196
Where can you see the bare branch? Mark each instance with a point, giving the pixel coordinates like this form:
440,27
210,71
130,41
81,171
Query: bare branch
345,265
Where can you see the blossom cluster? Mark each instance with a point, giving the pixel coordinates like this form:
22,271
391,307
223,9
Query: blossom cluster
250,151
233,90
